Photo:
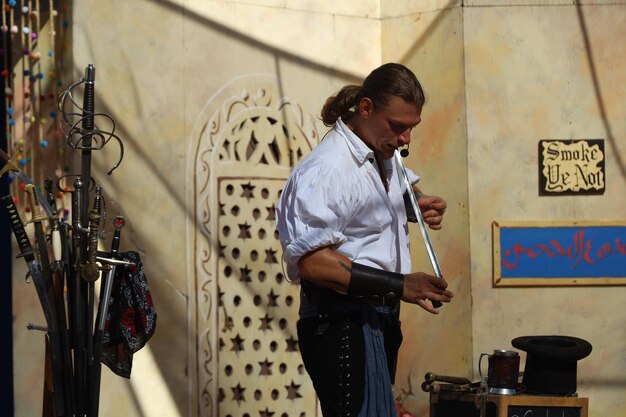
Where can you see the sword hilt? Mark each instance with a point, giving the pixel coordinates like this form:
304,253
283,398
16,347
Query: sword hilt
57,247
49,187
88,99
90,271
26,249
118,223
35,208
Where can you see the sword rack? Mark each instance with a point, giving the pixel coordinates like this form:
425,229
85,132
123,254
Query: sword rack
64,262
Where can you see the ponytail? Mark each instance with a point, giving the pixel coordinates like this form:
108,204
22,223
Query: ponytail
341,104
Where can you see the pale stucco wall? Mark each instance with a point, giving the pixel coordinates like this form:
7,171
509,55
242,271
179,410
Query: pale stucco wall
158,63
157,66
528,78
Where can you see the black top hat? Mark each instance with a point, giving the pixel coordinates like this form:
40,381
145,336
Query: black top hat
551,362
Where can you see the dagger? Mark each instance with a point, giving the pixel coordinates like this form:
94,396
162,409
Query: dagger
105,295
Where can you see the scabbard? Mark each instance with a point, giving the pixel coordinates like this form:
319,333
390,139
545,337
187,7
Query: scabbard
60,273
56,339
96,365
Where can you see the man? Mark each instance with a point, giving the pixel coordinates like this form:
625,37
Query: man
342,224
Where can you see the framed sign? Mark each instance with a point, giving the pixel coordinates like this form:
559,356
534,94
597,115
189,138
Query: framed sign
571,167
559,253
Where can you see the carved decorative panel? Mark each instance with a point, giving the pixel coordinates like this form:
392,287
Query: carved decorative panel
244,359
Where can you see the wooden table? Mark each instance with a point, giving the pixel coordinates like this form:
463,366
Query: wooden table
466,404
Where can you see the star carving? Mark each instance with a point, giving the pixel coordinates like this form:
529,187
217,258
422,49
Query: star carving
271,212
292,344
237,344
245,274
247,191
238,393
265,323
244,231
266,367
266,413
270,256
292,391
229,324
272,299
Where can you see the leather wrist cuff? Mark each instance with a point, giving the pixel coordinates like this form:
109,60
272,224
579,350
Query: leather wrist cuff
366,280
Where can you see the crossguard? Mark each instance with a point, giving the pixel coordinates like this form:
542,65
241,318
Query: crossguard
111,261
10,164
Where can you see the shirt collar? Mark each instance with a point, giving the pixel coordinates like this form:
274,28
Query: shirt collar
358,148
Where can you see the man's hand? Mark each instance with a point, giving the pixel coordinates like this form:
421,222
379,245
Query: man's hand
420,287
432,208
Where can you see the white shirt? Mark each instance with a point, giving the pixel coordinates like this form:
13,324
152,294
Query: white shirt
335,196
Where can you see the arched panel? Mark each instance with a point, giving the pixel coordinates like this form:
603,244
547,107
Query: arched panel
244,358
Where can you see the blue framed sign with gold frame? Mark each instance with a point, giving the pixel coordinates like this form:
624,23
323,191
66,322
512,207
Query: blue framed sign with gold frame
559,253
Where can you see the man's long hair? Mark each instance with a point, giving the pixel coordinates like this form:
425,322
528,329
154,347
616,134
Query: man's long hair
388,80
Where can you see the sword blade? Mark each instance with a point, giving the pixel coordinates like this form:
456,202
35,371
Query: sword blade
420,220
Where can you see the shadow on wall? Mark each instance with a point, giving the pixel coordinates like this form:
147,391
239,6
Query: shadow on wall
174,379
598,91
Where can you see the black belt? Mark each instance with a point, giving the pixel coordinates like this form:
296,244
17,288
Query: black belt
324,300
379,300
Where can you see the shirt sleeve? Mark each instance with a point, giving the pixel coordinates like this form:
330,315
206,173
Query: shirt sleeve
313,211
413,177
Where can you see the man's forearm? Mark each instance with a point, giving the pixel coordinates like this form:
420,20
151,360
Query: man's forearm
333,270
327,268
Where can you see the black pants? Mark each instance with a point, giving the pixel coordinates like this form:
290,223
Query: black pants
333,353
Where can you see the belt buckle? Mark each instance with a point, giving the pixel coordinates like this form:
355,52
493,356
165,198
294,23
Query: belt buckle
379,300
391,300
